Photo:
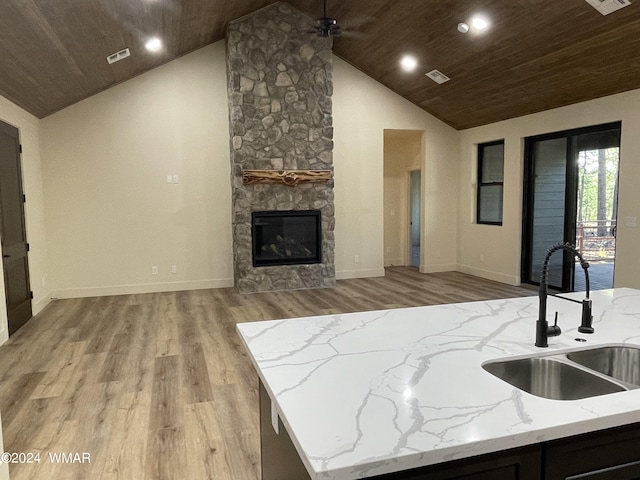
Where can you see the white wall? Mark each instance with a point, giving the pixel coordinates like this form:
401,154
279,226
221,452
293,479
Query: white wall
500,246
28,127
110,213
111,216
362,110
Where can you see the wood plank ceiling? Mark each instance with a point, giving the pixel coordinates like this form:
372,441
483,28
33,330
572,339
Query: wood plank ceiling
537,54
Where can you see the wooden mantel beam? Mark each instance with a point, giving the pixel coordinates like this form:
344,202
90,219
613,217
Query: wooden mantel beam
288,177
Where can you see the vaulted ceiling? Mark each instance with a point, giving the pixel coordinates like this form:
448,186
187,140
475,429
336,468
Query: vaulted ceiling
536,54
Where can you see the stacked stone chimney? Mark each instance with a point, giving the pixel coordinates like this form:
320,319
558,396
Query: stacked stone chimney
280,87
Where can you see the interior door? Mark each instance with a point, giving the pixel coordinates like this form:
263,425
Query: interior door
12,230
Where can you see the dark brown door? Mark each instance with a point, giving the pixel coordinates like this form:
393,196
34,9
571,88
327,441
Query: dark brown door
12,230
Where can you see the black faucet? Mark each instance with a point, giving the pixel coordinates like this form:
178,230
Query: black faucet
543,330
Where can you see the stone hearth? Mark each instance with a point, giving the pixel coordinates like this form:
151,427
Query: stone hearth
280,87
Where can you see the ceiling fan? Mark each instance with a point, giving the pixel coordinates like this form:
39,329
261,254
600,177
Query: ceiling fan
326,26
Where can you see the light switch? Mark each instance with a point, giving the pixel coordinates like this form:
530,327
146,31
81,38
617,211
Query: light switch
169,179
174,179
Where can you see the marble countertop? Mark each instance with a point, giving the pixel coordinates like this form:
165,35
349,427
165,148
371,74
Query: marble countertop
368,393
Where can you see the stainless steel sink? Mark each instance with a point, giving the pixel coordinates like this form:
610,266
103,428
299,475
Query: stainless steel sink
621,363
552,377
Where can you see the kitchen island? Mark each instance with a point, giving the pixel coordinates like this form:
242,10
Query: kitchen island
368,394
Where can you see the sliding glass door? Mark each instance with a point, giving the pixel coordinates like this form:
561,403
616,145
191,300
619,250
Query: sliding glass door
556,200
548,207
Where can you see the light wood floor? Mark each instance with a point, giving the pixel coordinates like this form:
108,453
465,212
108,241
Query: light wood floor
157,386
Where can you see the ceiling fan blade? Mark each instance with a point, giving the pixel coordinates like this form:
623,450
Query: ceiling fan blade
355,34
356,22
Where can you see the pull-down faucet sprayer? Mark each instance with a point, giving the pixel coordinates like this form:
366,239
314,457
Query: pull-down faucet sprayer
543,330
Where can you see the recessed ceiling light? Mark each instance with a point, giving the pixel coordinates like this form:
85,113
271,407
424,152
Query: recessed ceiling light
463,27
153,44
408,63
479,23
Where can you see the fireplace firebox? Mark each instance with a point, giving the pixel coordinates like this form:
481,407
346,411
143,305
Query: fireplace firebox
291,237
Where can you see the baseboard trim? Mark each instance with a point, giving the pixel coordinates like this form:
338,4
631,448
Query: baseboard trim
142,288
445,267
40,304
348,274
228,282
488,274
394,262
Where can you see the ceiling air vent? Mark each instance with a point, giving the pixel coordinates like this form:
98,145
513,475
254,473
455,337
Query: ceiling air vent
116,57
437,76
605,7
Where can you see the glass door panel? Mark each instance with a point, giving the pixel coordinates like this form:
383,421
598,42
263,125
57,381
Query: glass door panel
548,212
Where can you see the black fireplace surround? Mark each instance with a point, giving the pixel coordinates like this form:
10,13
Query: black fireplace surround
288,237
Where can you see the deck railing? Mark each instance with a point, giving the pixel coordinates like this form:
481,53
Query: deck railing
596,239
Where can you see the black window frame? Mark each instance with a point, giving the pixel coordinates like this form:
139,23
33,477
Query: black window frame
480,184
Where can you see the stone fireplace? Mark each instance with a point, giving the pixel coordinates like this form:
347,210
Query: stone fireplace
281,129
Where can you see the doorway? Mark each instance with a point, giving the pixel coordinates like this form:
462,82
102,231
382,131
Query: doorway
415,181
403,163
570,195
13,231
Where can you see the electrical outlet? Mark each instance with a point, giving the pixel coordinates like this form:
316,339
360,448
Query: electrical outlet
154,270
356,259
174,269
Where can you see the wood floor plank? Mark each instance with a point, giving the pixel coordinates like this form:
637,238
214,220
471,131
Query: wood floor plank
195,374
125,454
61,372
167,341
20,432
166,454
237,411
206,449
166,411
70,402
23,385
159,386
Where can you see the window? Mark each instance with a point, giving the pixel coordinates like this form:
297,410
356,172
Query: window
490,182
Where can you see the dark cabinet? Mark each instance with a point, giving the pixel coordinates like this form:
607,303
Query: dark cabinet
280,459
517,464
612,454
